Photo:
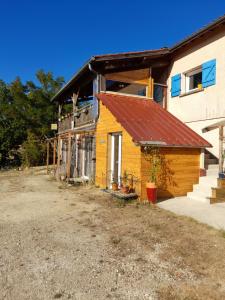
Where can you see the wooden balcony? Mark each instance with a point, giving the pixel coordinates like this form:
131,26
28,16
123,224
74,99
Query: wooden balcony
85,115
65,123
81,117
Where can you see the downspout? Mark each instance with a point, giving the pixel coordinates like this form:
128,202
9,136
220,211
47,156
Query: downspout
96,73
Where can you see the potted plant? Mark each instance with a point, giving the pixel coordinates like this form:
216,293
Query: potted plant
155,167
114,185
131,184
125,186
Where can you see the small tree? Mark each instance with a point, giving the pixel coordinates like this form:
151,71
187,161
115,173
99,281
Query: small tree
33,151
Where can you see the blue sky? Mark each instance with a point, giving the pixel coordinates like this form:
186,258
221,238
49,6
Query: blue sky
60,35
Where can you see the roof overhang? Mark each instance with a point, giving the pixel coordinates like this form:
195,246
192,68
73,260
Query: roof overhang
200,33
110,63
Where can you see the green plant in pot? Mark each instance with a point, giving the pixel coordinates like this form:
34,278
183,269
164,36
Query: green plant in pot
154,157
125,184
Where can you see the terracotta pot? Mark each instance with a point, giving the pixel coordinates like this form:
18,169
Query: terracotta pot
125,189
115,186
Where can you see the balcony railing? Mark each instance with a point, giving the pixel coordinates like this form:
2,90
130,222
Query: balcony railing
65,123
85,115
81,117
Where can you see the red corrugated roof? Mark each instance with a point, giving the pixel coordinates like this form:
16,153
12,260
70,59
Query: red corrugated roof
147,122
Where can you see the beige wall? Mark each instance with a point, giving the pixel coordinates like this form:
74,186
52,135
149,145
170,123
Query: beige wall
208,106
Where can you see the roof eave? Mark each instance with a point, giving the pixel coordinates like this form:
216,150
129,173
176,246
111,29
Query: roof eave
165,145
197,34
75,77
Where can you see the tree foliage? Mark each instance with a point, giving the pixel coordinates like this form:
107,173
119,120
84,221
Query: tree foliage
26,113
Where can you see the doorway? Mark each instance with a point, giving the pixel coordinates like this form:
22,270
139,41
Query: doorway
115,158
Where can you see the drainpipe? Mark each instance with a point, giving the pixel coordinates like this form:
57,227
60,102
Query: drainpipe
96,73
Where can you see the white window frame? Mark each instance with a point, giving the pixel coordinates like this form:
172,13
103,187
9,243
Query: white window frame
187,78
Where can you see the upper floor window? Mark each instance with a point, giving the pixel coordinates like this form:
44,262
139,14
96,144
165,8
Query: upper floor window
193,79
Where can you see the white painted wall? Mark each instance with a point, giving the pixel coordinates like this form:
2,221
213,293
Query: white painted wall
208,106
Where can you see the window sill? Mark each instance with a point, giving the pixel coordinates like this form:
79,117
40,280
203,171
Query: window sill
192,92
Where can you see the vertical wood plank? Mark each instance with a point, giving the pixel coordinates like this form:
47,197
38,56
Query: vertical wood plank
47,158
58,158
54,153
68,157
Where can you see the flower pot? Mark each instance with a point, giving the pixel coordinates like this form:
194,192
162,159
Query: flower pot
151,192
115,186
125,189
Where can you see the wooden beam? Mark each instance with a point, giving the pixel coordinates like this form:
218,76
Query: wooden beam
68,157
150,87
221,159
165,98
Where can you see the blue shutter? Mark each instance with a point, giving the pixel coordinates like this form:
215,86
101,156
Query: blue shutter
176,85
209,73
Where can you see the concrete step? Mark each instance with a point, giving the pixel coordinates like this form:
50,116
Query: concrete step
212,172
200,194
204,190
208,180
198,198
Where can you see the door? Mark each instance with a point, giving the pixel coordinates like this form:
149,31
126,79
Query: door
115,157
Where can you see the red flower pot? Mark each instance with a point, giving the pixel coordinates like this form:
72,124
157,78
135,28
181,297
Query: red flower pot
151,192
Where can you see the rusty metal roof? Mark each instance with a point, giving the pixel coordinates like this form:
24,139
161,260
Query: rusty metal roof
148,123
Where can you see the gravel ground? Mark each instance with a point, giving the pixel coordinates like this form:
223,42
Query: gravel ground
61,242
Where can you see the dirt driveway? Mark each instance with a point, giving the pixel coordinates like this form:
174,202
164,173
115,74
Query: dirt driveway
77,243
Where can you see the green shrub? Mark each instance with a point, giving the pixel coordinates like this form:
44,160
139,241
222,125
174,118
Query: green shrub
33,151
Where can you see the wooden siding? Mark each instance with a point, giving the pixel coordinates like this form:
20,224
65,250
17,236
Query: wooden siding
134,76
131,155
182,172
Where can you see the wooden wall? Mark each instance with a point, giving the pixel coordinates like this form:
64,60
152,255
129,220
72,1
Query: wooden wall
182,172
131,155
181,169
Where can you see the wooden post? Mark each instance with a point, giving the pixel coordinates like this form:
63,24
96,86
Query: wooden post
58,158
68,157
47,158
74,99
150,87
165,98
54,154
221,159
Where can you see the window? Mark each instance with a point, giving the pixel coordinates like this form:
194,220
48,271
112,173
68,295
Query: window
194,79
